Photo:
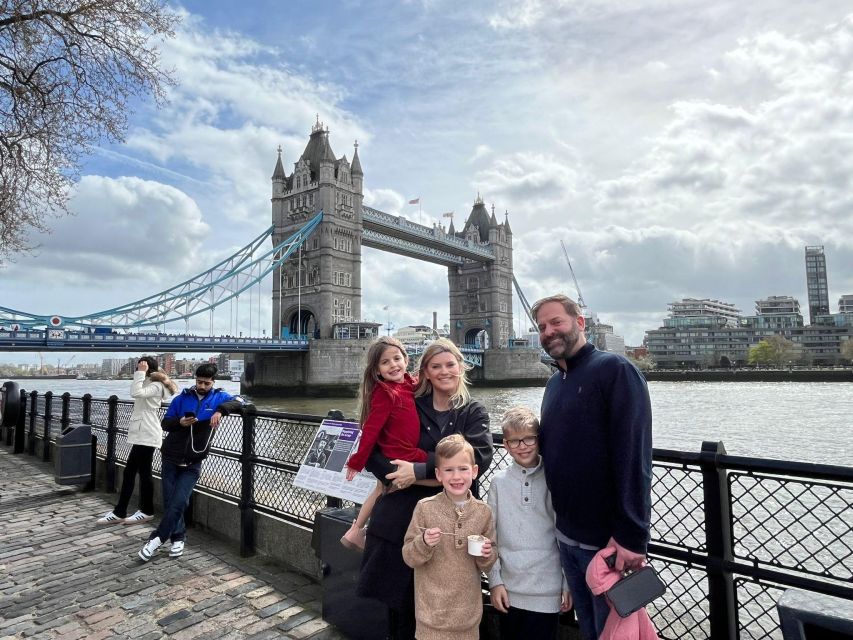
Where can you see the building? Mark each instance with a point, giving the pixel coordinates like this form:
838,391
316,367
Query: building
776,314
816,283
700,333
414,334
845,303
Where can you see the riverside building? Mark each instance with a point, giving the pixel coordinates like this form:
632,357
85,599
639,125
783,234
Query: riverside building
816,283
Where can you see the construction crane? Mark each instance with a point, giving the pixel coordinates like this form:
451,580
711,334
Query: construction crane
69,361
524,303
581,303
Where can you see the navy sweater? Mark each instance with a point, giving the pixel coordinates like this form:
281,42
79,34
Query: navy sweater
596,445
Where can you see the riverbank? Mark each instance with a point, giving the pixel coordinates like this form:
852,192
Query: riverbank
750,375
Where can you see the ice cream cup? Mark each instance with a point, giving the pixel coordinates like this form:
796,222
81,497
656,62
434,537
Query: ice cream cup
475,545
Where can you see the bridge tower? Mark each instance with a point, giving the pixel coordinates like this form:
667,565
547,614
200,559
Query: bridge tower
481,293
320,285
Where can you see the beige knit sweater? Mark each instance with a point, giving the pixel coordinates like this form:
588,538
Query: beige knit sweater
448,600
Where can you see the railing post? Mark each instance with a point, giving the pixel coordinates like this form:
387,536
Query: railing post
112,430
247,485
66,412
87,409
31,449
331,501
722,601
46,419
21,425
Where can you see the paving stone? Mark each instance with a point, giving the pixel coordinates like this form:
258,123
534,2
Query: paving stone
63,578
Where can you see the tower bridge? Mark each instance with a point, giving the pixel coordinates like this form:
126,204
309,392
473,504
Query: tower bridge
318,336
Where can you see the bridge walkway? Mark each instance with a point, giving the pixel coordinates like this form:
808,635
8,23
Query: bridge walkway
63,577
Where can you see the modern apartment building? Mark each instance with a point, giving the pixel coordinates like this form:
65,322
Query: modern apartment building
816,283
845,304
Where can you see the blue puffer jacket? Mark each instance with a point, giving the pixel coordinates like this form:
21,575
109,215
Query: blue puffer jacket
186,445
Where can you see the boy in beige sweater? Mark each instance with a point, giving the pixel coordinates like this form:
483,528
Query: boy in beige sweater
448,599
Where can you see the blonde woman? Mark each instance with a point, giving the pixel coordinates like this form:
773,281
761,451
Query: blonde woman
444,407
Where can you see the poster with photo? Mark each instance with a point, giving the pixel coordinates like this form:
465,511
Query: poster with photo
322,469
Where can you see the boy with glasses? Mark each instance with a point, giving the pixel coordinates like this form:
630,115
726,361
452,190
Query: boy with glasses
526,583
189,423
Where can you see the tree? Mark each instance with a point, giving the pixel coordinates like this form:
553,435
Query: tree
68,72
775,350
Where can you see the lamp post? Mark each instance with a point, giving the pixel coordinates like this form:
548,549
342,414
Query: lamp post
386,308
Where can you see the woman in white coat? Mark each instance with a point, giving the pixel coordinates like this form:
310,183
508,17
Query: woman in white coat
149,388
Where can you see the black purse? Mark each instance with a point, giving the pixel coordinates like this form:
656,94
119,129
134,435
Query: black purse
635,590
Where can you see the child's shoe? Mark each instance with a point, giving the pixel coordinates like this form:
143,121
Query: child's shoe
354,538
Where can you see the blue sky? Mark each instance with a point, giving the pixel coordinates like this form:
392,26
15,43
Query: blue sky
678,148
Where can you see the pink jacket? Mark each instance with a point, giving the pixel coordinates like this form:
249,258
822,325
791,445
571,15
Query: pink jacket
637,626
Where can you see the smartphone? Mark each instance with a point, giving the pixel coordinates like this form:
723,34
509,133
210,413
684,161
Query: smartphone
189,414
635,591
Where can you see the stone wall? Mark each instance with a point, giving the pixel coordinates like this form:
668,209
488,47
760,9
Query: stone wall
508,367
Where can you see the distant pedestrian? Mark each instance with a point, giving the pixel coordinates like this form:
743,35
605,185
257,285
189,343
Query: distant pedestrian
526,584
596,443
448,544
144,434
389,420
190,423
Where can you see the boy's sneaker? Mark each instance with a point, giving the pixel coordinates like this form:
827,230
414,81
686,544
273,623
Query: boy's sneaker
149,549
177,549
110,518
137,518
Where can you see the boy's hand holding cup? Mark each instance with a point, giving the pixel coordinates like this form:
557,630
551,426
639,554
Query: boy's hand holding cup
479,546
432,536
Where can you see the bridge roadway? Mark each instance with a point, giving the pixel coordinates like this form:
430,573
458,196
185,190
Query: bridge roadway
62,576
66,340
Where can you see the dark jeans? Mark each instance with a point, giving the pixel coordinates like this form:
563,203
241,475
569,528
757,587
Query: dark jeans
591,610
178,483
520,624
138,462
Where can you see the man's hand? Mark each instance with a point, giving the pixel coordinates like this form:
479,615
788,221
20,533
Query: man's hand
214,419
500,598
565,601
432,536
188,421
487,548
625,558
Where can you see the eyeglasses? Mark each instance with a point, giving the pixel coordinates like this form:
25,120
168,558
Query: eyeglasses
515,443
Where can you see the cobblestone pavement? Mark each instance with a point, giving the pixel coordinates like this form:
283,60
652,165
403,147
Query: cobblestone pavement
62,576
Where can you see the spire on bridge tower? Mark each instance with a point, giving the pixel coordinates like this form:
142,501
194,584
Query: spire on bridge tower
278,173
506,221
492,220
356,163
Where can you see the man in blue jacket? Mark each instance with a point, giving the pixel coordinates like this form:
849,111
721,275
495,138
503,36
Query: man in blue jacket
596,444
189,423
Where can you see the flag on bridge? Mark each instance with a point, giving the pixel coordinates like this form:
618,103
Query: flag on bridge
415,201
449,214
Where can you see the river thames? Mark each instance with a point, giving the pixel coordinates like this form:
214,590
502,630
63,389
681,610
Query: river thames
807,421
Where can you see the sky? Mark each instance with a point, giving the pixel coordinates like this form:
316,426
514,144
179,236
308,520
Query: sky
679,149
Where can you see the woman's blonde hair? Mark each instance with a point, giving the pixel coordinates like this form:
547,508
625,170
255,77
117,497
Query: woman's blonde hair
461,396
370,378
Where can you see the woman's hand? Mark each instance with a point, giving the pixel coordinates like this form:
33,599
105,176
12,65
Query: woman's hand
142,366
404,476
351,473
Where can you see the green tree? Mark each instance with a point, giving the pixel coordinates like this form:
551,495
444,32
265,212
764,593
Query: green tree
68,72
775,350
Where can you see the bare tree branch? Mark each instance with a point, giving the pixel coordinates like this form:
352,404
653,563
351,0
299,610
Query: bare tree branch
68,71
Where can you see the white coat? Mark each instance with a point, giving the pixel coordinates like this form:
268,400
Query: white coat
147,393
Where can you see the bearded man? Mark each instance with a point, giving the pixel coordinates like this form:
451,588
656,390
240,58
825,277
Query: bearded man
595,439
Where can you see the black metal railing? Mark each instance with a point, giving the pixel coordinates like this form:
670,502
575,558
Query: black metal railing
729,533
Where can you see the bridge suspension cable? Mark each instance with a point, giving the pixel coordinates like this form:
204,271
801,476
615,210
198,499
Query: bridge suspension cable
221,283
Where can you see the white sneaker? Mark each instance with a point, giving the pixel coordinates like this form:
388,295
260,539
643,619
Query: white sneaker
177,549
137,518
110,518
149,549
